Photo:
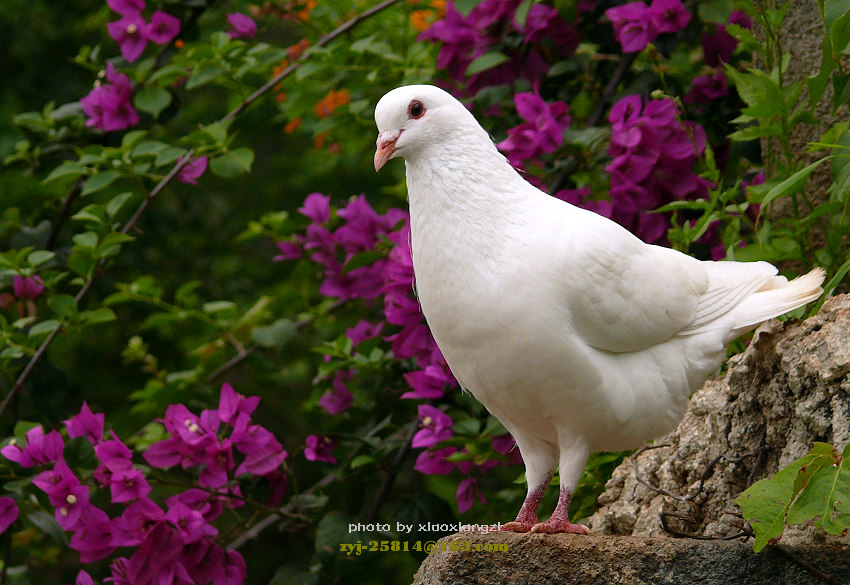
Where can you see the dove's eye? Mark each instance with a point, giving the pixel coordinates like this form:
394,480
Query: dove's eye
415,109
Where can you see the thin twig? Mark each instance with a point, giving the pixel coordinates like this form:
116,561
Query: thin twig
391,474
63,214
804,565
703,477
342,29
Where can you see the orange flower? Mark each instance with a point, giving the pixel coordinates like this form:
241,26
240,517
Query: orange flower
292,125
419,19
326,106
179,43
304,13
319,141
298,48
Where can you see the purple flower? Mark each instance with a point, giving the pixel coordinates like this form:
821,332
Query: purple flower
136,521
291,250
126,7
634,27
8,513
362,331
84,578
317,207
436,427
668,15
190,524
231,404
506,445
92,538
130,32
319,448
705,88
162,28
434,462
740,18
27,287
192,170
40,449
339,398
263,452
108,106
128,485
429,383
543,131
243,26
86,424
717,47
467,491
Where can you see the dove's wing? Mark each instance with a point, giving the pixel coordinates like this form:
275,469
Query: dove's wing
625,295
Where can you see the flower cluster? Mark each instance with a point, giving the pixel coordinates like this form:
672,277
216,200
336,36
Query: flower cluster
542,132
390,276
636,24
132,32
466,38
177,543
654,153
108,106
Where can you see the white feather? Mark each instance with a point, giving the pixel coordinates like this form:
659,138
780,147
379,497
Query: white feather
574,333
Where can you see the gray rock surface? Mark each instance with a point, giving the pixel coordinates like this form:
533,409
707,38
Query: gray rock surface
788,389
542,559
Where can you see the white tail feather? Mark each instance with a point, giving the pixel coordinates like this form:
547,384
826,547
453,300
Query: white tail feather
774,299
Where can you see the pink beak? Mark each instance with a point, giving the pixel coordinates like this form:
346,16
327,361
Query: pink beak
385,147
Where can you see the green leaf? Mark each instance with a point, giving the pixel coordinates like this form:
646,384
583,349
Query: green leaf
99,181
715,10
759,90
92,213
64,306
149,148
362,259
218,306
205,75
486,61
116,203
233,163
42,327
521,14
152,100
839,28
276,335
38,257
67,170
793,183
85,240
765,503
824,492
331,531
99,315
168,155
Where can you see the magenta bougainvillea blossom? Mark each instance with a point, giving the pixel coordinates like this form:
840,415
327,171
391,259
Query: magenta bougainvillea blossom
27,287
171,544
636,24
8,513
108,106
244,27
132,32
192,170
542,132
320,448
436,427
465,38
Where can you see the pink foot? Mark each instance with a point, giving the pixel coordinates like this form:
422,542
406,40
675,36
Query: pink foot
516,526
554,526
560,523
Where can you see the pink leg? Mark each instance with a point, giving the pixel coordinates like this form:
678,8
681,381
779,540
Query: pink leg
527,516
560,521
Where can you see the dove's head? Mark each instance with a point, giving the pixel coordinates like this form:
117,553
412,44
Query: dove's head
412,119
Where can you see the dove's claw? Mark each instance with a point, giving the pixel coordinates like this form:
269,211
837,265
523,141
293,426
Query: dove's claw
516,526
559,527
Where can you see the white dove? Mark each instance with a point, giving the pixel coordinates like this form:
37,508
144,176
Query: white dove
575,334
